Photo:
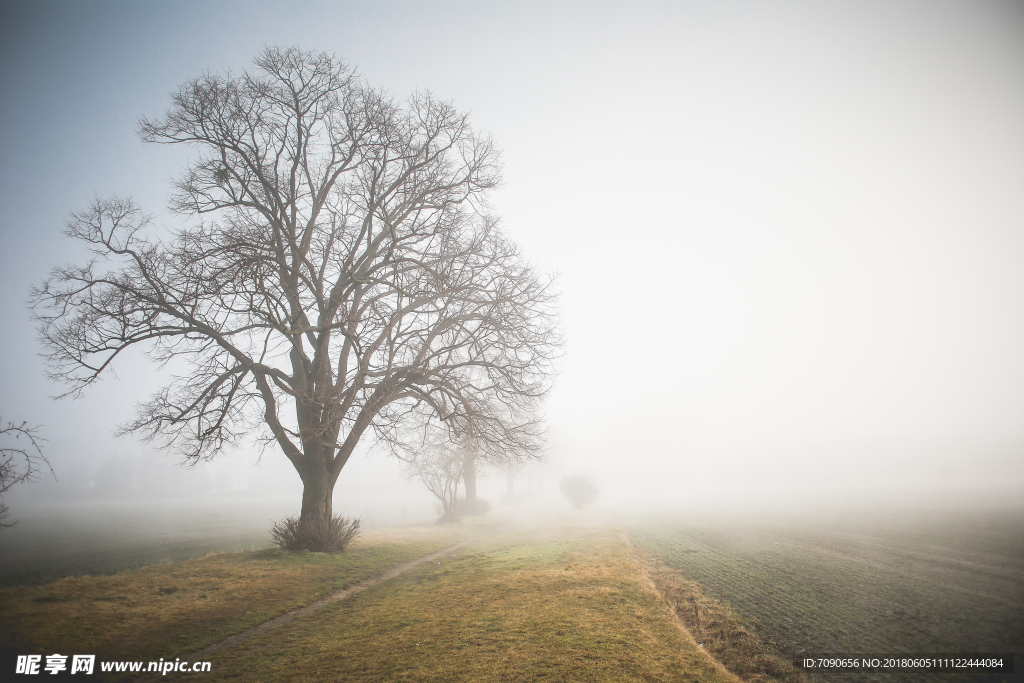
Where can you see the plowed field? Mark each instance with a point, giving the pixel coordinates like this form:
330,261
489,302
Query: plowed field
868,583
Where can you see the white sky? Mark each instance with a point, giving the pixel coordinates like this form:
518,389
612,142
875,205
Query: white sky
790,236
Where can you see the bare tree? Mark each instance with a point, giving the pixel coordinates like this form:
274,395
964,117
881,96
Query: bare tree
478,452
511,471
440,468
492,436
469,474
21,460
343,276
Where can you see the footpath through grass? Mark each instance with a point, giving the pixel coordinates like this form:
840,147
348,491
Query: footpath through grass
558,599
172,609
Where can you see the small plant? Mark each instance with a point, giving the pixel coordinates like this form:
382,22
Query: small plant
580,490
328,536
478,507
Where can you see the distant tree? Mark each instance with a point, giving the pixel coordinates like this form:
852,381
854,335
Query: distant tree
511,471
580,490
344,276
440,468
469,474
21,460
492,439
473,458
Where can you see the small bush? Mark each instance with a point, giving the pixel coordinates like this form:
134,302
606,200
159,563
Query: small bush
329,536
580,491
462,508
478,507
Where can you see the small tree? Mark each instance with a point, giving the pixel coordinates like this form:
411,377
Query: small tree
495,436
580,490
440,469
21,460
344,275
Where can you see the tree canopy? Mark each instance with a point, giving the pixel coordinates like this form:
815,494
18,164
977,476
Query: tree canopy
339,272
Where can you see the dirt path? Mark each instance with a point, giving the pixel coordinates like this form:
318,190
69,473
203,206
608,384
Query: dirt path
389,573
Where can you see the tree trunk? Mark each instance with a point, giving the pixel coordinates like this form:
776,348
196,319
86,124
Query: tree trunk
469,477
317,495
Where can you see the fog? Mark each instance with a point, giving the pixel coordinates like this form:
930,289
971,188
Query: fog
788,237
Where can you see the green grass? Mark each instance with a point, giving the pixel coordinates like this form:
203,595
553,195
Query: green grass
928,584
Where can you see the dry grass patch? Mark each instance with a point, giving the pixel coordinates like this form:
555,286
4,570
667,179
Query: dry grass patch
170,609
563,601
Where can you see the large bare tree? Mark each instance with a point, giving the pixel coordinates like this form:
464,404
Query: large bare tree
340,275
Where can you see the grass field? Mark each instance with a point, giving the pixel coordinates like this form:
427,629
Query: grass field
76,540
169,609
560,596
94,540
858,583
557,598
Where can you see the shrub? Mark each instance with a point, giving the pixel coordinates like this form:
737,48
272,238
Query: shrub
463,508
478,507
580,491
328,536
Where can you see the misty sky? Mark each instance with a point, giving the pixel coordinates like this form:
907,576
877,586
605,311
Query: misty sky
789,236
